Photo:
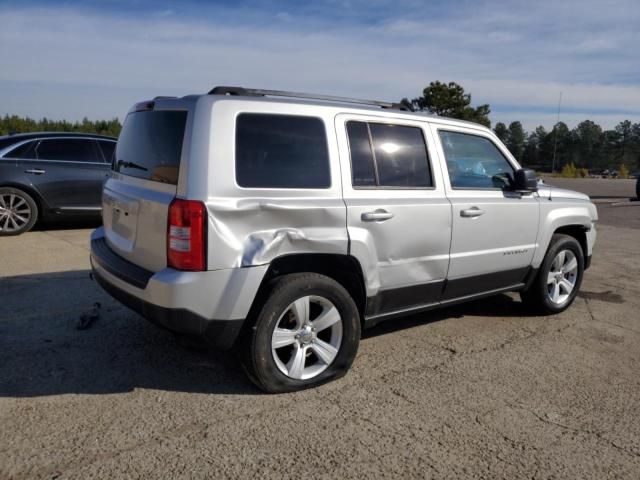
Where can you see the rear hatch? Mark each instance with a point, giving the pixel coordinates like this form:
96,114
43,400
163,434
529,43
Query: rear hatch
143,183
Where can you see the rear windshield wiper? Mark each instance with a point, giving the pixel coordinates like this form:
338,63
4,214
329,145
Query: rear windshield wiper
122,163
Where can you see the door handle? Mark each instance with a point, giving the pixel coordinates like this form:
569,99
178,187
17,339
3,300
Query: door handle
378,216
35,171
471,212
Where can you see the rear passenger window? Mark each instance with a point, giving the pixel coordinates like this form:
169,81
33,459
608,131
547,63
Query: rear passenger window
386,155
281,151
71,150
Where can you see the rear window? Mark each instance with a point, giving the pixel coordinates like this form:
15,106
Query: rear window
281,151
23,151
150,145
108,150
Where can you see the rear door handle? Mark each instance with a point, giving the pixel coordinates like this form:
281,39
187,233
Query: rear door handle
35,171
378,216
471,212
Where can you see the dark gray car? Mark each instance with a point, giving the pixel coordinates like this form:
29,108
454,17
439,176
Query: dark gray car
51,175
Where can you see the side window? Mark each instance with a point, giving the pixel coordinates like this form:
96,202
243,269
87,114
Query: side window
108,150
281,151
24,151
72,150
475,162
387,155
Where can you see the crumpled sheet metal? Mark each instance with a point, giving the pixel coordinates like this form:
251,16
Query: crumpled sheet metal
248,232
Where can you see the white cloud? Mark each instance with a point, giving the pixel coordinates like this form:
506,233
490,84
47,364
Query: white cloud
521,56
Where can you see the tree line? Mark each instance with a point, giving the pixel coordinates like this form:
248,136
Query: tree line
10,124
586,147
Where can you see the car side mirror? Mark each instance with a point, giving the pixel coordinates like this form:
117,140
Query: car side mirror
525,180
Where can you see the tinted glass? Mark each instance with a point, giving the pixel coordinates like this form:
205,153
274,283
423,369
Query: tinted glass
475,162
362,169
150,145
23,151
71,150
281,151
108,150
401,156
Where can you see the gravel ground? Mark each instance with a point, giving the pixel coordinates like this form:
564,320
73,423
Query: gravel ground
482,390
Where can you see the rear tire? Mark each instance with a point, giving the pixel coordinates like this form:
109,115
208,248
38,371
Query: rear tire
18,212
558,280
306,333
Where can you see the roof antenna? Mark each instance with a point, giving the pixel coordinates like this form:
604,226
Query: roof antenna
555,140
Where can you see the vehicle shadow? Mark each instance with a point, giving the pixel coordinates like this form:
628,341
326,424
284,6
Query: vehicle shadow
67,224
42,352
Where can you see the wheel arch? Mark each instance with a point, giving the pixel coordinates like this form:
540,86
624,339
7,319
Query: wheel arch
344,269
579,232
32,192
574,219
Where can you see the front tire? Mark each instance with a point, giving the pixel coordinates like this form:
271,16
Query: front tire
559,277
306,333
18,212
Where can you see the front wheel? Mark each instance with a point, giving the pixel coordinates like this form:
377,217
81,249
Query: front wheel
558,280
306,334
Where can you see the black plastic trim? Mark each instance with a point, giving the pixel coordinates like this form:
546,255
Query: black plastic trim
404,297
587,260
460,287
397,302
221,334
117,266
372,321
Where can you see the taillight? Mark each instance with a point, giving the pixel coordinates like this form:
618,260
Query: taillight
186,235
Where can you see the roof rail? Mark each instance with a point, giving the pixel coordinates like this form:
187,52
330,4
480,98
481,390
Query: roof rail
255,92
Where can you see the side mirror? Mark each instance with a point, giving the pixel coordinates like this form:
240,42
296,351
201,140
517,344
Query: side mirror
525,180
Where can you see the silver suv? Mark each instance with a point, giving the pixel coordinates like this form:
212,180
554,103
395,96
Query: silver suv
282,224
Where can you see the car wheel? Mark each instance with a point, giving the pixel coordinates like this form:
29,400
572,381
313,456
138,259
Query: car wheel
306,333
18,211
559,277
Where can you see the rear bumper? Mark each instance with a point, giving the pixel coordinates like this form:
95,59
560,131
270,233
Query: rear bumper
220,333
211,304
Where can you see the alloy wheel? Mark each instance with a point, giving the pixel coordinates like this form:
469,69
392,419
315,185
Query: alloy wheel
15,212
307,337
562,276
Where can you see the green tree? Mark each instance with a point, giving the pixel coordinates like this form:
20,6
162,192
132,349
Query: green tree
449,100
516,140
501,132
559,140
15,124
588,139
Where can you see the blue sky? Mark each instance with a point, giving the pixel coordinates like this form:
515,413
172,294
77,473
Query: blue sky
72,59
